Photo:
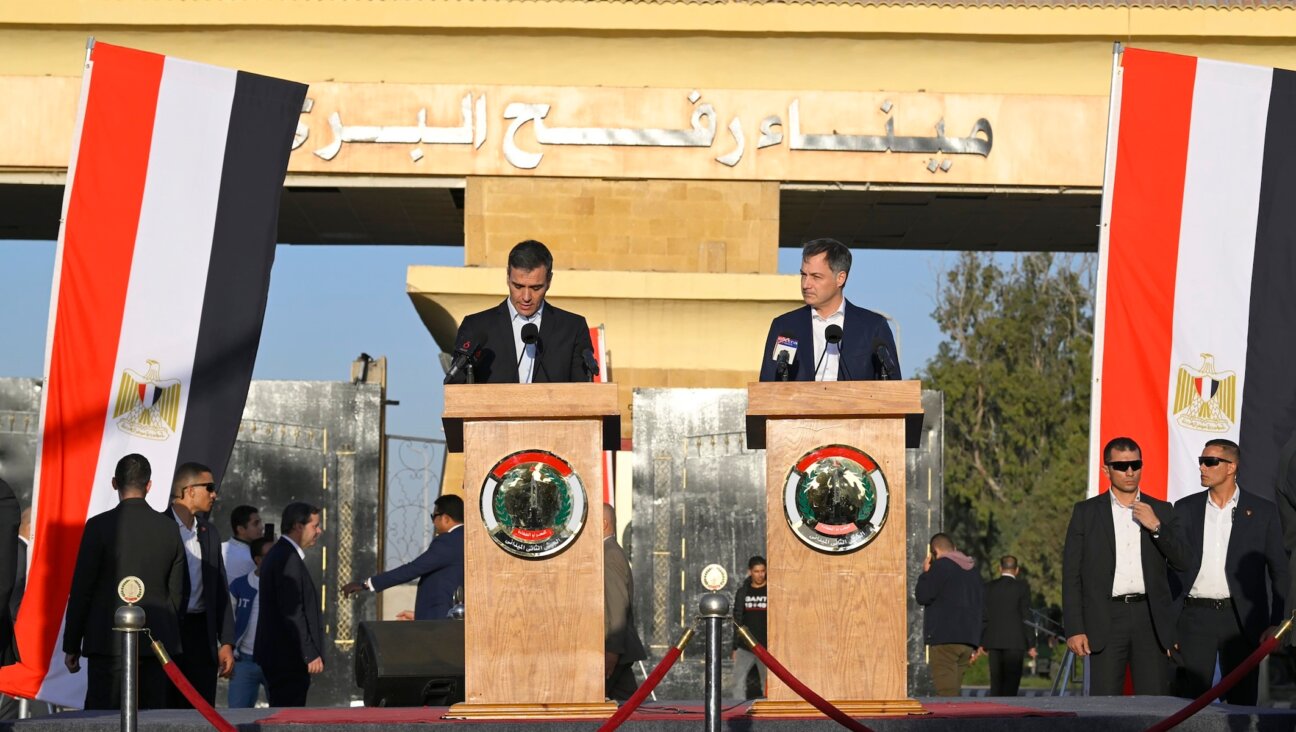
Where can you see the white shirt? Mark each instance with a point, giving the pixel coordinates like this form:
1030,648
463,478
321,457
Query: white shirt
527,354
193,555
1211,582
1129,555
238,559
828,367
300,552
248,640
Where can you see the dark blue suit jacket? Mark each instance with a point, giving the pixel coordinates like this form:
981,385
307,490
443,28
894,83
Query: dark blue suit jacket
440,571
563,337
1255,549
860,331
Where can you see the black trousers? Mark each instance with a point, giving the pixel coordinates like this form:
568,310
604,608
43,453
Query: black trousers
621,684
103,682
1133,642
1204,633
286,684
196,660
1005,671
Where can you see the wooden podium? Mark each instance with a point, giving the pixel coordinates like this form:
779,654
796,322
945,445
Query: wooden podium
533,628
836,620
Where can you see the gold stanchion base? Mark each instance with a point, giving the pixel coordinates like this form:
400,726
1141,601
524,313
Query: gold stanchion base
769,709
587,710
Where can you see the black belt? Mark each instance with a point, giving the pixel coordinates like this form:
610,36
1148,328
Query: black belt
1132,598
1210,602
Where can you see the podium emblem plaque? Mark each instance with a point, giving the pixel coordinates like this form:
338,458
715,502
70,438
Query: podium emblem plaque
835,499
533,504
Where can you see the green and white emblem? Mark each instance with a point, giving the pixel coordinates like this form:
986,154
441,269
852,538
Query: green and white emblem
533,504
836,499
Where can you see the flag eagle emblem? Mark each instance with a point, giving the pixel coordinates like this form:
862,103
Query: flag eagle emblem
147,406
1205,399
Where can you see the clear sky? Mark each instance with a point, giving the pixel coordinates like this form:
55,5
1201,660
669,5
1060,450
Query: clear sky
328,304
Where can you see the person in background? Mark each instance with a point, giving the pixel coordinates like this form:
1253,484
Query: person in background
245,685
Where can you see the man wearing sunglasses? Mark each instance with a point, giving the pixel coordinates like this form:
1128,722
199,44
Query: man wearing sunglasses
1232,589
1116,601
439,570
206,615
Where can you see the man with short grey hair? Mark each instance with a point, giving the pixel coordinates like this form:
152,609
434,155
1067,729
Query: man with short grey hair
829,339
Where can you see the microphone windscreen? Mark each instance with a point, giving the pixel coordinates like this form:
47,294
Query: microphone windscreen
785,343
833,333
530,333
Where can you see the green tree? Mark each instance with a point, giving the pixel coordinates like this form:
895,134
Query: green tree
1015,370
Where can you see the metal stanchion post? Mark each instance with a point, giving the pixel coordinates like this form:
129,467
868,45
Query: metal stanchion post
715,609
129,620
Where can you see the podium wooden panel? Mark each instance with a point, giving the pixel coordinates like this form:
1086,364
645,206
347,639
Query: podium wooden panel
533,628
837,621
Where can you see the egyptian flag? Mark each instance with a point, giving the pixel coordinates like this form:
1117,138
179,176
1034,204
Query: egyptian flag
162,270
1196,291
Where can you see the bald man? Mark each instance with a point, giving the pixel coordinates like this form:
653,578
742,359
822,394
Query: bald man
621,644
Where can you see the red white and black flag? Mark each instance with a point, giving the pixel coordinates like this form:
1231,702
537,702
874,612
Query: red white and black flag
163,266
1197,269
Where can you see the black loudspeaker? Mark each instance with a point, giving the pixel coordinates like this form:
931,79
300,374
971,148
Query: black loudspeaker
410,663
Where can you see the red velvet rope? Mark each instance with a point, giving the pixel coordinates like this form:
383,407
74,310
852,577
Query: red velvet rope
642,692
804,691
1266,647
181,683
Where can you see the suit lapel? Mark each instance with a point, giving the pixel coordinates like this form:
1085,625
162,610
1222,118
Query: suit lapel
1105,526
508,349
805,345
1241,527
548,327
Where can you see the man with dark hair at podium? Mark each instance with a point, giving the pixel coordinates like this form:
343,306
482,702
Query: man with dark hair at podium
621,644
439,570
524,340
829,339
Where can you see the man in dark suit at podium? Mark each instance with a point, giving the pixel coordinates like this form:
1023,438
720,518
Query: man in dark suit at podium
439,570
524,339
829,339
1004,633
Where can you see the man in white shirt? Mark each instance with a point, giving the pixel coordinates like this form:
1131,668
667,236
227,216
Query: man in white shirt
1116,601
829,339
245,522
1232,591
248,678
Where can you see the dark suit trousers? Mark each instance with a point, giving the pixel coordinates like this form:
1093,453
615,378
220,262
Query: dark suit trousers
286,684
621,684
1133,642
103,682
195,660
1005,671
1203,633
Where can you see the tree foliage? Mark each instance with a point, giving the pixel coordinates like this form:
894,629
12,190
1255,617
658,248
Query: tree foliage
1015,370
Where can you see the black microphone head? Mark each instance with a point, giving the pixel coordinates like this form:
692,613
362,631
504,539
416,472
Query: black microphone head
530,333
833,334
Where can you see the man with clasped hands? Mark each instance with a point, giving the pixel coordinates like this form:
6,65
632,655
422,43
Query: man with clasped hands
1116,602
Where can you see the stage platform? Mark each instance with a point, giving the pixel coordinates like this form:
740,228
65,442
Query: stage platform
1056,714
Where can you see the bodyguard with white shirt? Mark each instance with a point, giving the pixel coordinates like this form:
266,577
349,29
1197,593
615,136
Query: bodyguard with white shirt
1116,602
829,339
1232,590
524,339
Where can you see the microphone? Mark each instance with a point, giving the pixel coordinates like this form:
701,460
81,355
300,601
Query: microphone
530,334
882,354
466,351
832,336
591,364
785,348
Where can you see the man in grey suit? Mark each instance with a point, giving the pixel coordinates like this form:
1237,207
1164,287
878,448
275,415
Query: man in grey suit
621,644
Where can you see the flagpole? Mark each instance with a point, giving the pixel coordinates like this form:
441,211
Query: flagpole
1100,290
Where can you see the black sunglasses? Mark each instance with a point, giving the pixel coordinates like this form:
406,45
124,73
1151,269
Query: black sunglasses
211,487
1121,466
1211,461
